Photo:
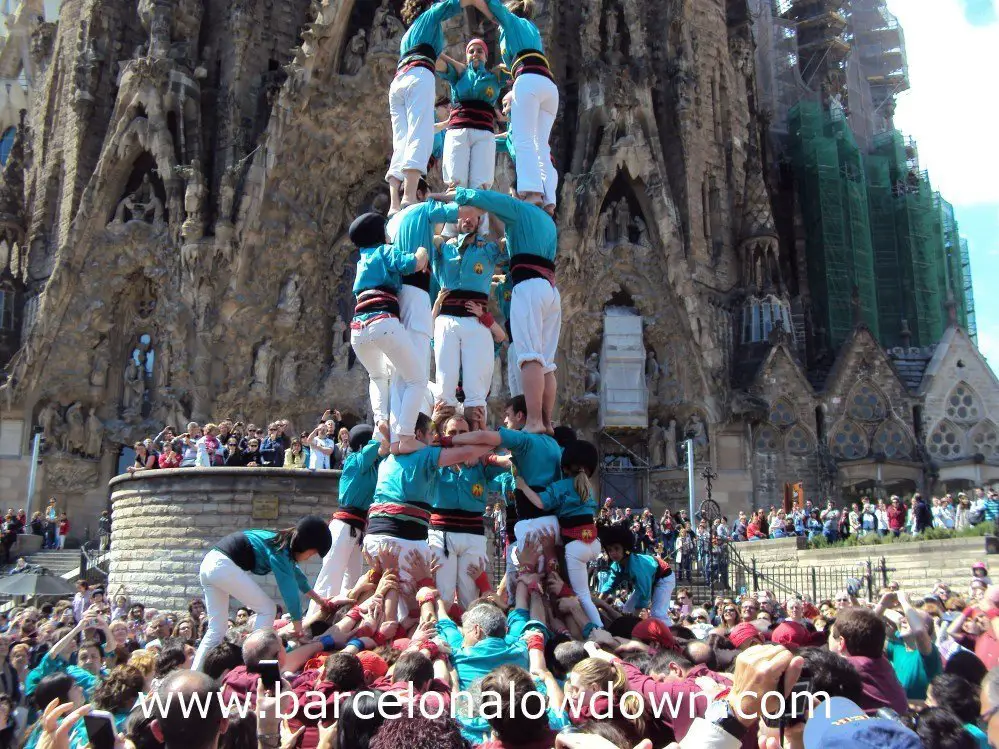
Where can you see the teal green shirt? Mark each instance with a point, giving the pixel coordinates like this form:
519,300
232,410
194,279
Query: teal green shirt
464,487
538,457
562,499
407,478
359,476
640,570
470,269
426,29
290,579
414,227
914,670
528,228
475,83
476,661
516,34
504,485
382,266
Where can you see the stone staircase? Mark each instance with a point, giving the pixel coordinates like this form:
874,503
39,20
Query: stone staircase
65,564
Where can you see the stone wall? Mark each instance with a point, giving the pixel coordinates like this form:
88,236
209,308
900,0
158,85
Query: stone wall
163,523
916,566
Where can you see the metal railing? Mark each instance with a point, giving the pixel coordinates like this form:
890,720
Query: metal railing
95,561
809,582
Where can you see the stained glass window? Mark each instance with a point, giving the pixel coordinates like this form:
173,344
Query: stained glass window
849,441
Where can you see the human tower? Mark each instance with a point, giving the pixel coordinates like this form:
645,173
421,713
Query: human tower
414,487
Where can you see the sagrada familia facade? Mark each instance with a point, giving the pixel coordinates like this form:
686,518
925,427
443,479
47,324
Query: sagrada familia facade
173,215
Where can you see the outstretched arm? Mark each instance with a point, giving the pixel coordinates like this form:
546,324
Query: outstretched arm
481,437
454,455
531,495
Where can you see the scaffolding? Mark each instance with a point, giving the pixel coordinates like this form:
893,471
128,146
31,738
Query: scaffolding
833,197
779,84
912,264
968,291
953,262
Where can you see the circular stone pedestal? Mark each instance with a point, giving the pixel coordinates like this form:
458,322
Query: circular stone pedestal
164,521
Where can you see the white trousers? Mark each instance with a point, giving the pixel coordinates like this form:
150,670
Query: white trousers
417,317
341,565
411,104
463,345
536,322
532,526
386,350
222,579
532,116
372,542
662,593
578,554
461,550
469,157
513,380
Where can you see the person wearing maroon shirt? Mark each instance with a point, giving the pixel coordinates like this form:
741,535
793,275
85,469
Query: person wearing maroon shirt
859,636
677,687
896,516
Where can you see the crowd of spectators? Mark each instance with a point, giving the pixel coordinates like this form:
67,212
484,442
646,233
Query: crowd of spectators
908,672
233,443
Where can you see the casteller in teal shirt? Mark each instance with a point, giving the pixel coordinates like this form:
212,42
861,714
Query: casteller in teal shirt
529,229
475,661
426,28
914,670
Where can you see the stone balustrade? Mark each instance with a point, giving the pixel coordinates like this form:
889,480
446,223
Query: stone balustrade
164,521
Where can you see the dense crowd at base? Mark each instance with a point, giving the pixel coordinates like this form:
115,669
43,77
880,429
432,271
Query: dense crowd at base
895,672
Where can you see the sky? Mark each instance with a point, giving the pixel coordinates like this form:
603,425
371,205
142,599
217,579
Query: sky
952,110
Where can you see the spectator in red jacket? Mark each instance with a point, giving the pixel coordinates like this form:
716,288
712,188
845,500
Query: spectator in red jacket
896,516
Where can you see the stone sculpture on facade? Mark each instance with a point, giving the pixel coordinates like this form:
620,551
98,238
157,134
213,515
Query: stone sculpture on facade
141,205
99,368
652,374
353,58
135,385
75,436
656,444
696,431
262,365
95,435
195,196
622,220
669,446
51,423
386,29
593,373
290,302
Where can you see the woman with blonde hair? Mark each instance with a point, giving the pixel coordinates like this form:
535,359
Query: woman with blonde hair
605,673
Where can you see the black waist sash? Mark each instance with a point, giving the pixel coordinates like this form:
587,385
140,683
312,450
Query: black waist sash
524,266
472,113
454,305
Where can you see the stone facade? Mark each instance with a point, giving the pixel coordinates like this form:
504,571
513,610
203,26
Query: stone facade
182,210
163,523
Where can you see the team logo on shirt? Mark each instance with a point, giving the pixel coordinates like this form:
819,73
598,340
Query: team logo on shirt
479,268
490,92
506,296
586,535
477,490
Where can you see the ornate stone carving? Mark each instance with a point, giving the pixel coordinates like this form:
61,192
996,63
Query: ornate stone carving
656,444
195,196
99,368
353,57
698,432
287,385
65,473
141,205
135,384
263,363
386,29
95,435
51,422
290,302
75,437
652,374
593,374
669,446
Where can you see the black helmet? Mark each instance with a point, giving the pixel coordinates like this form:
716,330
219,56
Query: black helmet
616,534
360,435
311,532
